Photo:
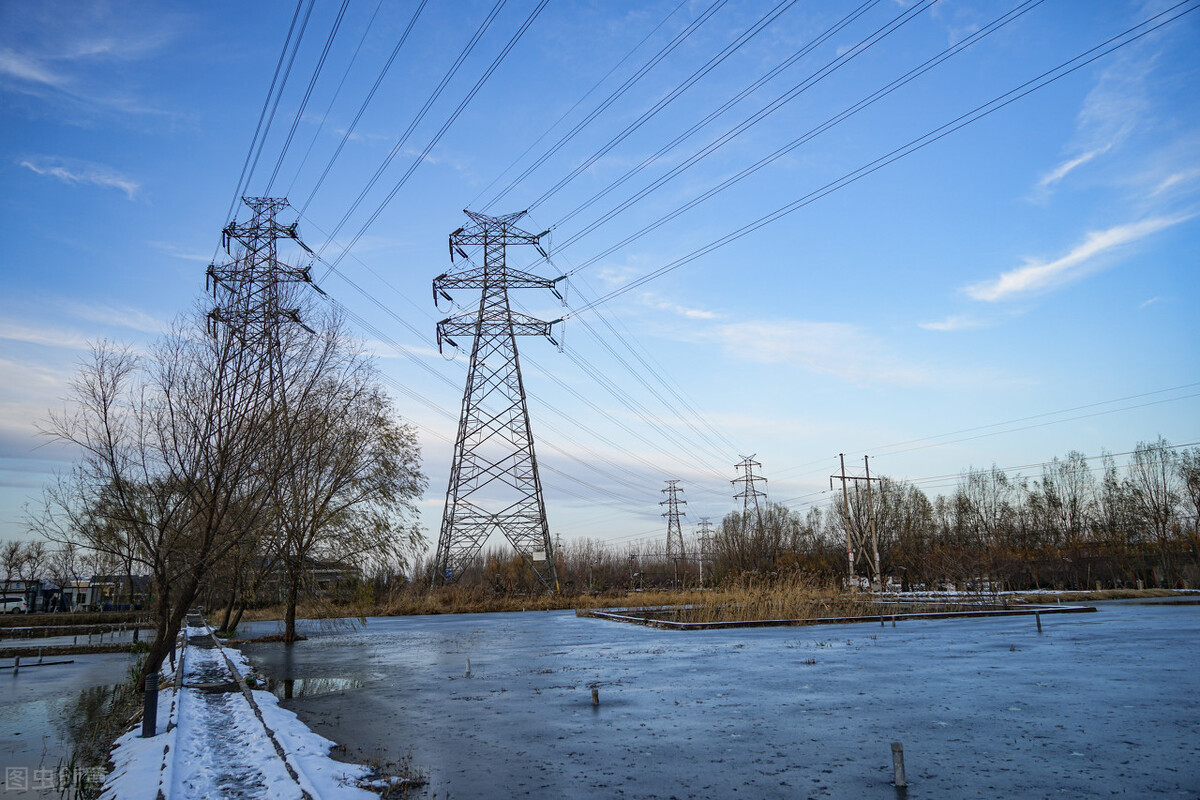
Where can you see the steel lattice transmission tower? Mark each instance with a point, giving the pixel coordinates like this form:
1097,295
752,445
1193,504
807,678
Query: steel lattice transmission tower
750,493
705,534
249,289
494,483
674,531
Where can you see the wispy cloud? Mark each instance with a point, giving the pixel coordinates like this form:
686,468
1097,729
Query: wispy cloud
1037,276
1065,168
76,172
1175,180
655,301
613,277
118,317
835,348
50,337
61,52
1150,302
176,251
26,68
956,322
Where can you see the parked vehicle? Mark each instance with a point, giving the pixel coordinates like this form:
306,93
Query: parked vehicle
11,604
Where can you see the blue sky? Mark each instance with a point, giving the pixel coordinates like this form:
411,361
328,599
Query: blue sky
1036,268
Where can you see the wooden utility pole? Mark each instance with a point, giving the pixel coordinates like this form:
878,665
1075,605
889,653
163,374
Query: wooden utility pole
856,541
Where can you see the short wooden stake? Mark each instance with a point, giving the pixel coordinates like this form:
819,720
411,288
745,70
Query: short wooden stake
39,655
898,765
893,621
468,672
1038,616
16,664
595,697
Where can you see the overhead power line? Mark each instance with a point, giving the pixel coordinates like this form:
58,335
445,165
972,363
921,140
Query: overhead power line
775,105
679,39
363,107
258,128
1048,77
312,82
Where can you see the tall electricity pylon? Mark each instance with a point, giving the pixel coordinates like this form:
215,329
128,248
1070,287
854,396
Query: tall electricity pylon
494,483
248,290
750,493
674,532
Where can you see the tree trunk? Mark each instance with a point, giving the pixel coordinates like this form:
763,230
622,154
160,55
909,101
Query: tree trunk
237,618
228,611
293,595
169,622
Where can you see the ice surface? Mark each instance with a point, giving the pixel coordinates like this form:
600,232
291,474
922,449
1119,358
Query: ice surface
1099,705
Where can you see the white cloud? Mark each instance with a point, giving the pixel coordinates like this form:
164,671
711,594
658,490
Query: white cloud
120,317
957,322
22,67
1062,170
76,172
655,301
178,252
50,337
1175,180
1150,302
835,348
1035,276
615,276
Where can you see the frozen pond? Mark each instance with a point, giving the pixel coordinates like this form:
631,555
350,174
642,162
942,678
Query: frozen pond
1099,705
42,711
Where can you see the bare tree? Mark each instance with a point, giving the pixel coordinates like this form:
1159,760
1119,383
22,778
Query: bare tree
12,556
174,462
350,469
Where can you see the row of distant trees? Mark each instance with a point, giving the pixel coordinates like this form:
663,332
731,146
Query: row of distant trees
217,464
1079,522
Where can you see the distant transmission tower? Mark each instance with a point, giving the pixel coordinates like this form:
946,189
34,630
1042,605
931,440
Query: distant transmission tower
494,483
705,534
674,532
750,493
860,548
248,290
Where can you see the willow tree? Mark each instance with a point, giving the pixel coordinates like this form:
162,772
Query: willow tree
173,462
349,467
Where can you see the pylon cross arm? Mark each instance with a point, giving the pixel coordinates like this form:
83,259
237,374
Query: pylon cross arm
466,326
476,279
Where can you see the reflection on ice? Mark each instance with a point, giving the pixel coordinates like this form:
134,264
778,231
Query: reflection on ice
290,688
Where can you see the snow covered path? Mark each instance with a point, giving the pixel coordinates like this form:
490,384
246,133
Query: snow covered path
216,739
227,753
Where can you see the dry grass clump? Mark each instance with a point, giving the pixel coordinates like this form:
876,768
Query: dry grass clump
788,597
795,596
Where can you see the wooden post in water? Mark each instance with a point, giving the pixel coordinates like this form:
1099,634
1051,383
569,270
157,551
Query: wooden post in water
1038,616
898,765
595,697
